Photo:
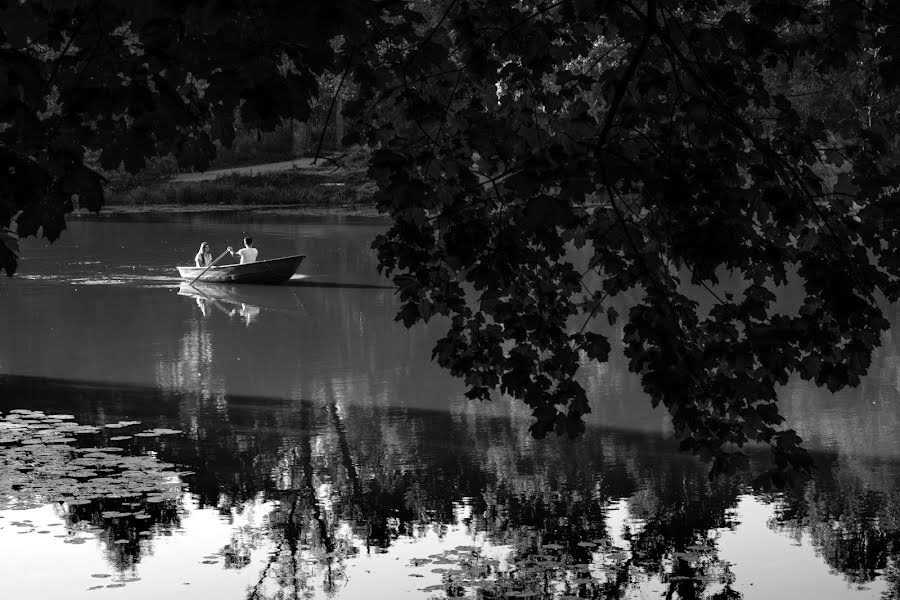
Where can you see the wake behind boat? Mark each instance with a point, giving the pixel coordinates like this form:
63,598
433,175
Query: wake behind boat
276,270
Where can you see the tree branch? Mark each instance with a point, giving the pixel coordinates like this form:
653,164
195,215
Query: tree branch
333,102
629,73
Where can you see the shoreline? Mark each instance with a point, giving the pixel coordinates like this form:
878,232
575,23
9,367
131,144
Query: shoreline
174,211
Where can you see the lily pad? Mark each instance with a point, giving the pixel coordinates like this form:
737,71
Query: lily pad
552,546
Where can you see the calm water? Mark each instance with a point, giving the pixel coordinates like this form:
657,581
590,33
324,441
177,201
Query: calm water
295,442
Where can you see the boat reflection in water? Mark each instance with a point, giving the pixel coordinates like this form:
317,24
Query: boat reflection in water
244,301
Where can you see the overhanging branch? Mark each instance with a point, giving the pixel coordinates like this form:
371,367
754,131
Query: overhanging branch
629,73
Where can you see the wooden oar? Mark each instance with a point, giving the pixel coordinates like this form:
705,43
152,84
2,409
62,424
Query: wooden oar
208,268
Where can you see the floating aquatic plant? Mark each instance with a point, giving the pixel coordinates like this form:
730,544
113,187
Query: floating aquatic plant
100,489
40,464
550,571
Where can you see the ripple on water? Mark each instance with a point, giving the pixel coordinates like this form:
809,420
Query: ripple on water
140,279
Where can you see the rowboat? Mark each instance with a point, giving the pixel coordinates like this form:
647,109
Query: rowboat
276,270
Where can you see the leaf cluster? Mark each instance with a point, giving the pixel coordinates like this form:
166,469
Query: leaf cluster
660,140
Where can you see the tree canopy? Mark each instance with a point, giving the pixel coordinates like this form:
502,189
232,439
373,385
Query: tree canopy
88,84
670,142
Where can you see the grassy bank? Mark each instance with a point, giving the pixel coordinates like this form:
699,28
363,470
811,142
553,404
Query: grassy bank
319,189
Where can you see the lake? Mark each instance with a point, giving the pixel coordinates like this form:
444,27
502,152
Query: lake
228,442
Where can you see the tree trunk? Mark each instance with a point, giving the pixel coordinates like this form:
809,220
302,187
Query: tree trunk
339,121
301,134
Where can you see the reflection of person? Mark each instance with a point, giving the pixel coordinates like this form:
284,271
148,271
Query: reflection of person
248,253
203,258
204,310
249,312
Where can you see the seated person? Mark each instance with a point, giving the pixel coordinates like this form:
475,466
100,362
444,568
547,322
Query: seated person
203,258
248,253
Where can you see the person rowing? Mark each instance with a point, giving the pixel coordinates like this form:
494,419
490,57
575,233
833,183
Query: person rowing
248,253
203,258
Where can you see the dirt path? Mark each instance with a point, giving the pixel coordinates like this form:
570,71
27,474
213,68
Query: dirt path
304,164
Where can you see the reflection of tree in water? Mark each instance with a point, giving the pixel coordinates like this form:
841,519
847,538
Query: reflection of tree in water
193,363
306,540
680,511
339,495
342,494
127,536
892,578
853,524
353,479
563,517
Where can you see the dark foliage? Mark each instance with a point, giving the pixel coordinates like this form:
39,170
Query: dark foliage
98,84
658,138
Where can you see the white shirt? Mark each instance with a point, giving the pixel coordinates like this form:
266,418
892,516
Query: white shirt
248,255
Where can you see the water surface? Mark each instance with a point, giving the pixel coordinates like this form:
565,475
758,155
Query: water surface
245,442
